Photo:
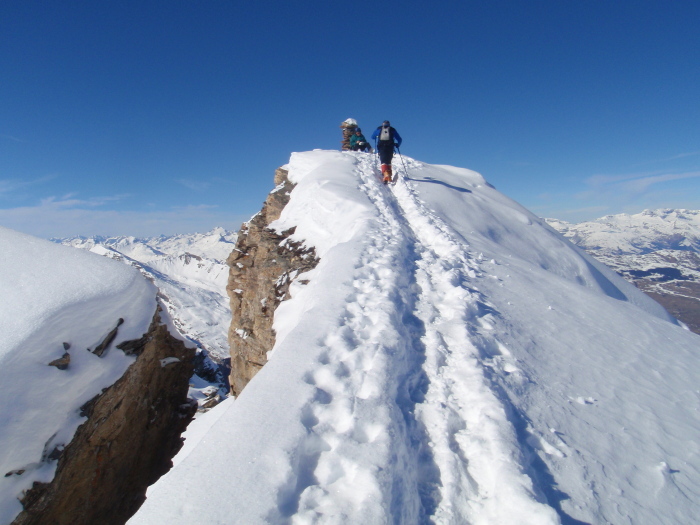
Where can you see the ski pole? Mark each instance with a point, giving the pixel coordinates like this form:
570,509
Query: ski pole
402,162
376,151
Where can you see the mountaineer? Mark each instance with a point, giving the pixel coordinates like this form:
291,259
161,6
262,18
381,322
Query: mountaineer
386,139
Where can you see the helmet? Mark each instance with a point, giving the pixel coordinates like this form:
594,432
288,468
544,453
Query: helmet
358,130
386,124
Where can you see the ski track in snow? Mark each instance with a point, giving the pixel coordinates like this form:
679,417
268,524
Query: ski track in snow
461,407
407,375
357,376
449,361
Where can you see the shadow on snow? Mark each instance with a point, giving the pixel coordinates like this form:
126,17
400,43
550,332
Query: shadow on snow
435,181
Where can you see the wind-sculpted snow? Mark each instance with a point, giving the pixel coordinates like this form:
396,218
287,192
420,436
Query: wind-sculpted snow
451,360
56,300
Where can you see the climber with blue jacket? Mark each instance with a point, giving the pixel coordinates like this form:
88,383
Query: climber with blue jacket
386,138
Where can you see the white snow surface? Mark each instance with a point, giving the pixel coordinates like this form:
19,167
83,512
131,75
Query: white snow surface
52,295
190,273
215,245
640,233
451,360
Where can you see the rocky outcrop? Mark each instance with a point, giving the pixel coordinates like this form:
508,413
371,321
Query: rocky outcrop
62,362
131,434
262,266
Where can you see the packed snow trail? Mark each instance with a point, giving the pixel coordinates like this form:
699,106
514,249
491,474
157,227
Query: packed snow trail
437,368
467,423
372,368
458,409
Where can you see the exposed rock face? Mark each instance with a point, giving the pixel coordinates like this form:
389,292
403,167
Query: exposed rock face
132,432
62,362
263,265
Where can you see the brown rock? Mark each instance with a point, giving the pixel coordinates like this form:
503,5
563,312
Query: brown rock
132,432
262,266
100,348
62,362
347,130
210,402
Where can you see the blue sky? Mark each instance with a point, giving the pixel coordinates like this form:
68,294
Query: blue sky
150,117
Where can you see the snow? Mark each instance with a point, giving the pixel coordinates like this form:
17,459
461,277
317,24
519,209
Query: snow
641,233
191,276
53,295
168,361
452,359
657,250
215,245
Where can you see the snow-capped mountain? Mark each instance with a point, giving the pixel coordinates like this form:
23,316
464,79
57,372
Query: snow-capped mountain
190,273
638,234
451,359
657,250
215,245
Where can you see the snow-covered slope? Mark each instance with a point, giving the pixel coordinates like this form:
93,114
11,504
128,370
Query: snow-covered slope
191,275
657,250
54,300
452,359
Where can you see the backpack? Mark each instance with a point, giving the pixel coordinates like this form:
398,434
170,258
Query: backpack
386,134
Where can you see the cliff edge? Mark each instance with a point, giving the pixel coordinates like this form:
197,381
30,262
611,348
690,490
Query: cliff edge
132,432
262,266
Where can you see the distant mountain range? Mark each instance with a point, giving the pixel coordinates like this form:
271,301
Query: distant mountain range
657,250
215,245
190,272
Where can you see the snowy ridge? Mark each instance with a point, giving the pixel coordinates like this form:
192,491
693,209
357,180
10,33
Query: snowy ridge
215,245
56,300
194,293
641,233
190,273
460,395
451,360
